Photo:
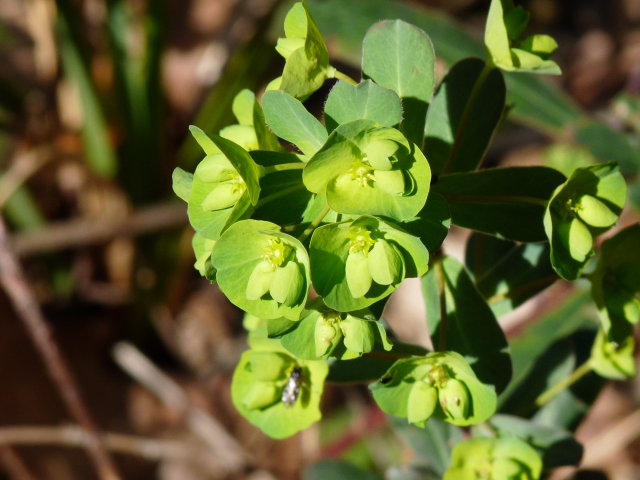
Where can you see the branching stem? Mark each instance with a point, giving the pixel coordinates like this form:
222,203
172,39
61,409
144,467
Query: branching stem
314,224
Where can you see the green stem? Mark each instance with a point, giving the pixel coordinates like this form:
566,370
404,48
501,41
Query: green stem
344,77
466,113
576,375
283,167
314,224
444,325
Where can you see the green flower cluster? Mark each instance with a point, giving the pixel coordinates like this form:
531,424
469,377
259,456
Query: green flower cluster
440,384
501,458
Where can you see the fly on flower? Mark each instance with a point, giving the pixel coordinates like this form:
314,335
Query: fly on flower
291,390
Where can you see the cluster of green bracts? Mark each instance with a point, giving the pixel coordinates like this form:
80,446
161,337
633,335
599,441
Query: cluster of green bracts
310,241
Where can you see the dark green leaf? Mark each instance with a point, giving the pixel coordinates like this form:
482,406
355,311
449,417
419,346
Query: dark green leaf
536,339
495,201
327,469
432,222
507,274
432,444
459,319
463,117
558,447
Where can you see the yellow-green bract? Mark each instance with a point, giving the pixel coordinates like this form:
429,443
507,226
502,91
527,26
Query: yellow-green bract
258,384
585,206
262,270
440,384
499,458
354,264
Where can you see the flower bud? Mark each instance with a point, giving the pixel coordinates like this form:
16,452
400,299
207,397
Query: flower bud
224,195
286,283
595,213
358,274
286,46
422,402
266,366
454,399
216,168
385,263
391,181
260,280
261,395
378,153
576,238
324,335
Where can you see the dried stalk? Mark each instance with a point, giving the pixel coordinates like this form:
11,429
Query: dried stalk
15,284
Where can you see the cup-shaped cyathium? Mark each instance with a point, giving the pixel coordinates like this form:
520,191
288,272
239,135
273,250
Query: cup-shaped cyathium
440,384
583,207
323,332
278,392
501,458
356,263
262,270
366,169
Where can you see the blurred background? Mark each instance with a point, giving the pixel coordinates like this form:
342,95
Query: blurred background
95,100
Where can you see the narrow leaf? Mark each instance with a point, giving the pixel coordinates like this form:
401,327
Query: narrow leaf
463,116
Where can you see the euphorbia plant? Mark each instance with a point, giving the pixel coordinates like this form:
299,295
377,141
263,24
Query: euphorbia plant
311,240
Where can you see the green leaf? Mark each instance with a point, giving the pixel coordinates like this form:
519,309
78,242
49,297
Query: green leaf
557,446
326,469
181,183
463,116
267,411
459,319
461,398
243,163
211,223
347,168
242,106
505,24
203,140
495,201
202,248
506,273
252,251
502,457
537,338
534,102
307,59
400,56
567,214
290,121
365,101
431,445
371,367
432,223
99,151
613,359
332,245
615,283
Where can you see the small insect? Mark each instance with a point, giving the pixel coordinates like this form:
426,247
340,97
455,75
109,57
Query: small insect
291,389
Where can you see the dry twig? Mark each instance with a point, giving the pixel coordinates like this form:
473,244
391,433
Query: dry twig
15,284
76,233
74,436
200,422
